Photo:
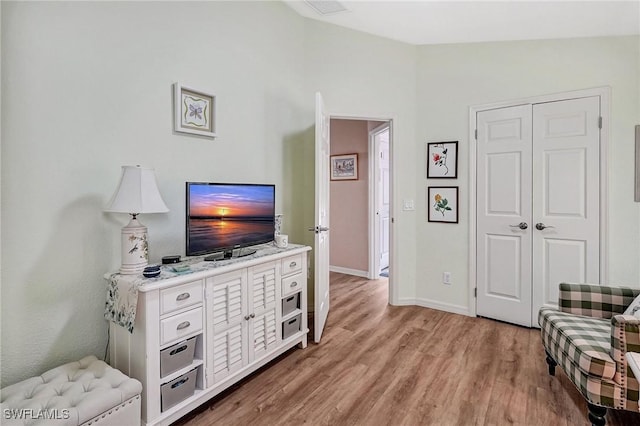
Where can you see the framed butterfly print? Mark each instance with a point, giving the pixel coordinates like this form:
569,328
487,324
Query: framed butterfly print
194,111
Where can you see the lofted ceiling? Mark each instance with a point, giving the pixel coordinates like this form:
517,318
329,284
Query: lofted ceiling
436,22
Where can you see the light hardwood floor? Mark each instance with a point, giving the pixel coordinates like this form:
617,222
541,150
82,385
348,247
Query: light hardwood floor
403,365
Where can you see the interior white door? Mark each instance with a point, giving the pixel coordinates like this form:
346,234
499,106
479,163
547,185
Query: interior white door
538,205
504,214
321,228
383,197
566,196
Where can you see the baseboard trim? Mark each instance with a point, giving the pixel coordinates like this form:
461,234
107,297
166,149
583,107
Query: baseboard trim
432,304
349,271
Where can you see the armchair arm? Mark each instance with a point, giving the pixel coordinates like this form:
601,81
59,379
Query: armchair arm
625,337
593,300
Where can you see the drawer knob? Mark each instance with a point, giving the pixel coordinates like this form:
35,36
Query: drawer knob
252,315
294,284
246,317
183,296
292,265
183,325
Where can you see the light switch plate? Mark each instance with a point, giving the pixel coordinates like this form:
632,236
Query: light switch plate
408,205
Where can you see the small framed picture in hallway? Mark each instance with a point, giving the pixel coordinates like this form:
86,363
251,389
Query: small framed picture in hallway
442,202
344,167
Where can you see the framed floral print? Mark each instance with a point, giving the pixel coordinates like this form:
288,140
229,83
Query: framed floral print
442,160
442,203
344,167
194,111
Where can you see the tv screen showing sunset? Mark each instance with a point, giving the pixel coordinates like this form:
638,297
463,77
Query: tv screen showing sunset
222,216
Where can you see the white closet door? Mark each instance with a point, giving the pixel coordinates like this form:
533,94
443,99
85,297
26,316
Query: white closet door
566,196
504,214
384,198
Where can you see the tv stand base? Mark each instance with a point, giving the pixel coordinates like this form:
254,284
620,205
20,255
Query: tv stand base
242,252
230,254
215,256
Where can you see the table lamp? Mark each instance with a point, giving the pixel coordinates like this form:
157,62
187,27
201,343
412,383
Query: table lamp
137,193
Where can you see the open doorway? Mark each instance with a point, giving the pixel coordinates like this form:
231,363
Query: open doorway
347,168
360,208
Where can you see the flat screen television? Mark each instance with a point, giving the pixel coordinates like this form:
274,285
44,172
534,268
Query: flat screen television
226,216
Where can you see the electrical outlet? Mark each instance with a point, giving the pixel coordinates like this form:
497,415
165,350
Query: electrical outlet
446,278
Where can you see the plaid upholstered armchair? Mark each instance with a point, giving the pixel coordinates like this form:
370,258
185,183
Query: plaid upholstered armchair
588,337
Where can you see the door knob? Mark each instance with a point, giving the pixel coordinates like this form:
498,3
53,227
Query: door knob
319,229
521,225
540,226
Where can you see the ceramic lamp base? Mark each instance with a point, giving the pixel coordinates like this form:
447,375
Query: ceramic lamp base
135,248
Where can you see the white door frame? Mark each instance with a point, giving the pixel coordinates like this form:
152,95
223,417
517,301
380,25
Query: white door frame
392,121
605,96
374,219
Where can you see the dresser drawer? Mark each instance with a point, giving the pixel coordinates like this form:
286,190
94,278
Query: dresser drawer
180,325
291,264
291,327
182,296
292,284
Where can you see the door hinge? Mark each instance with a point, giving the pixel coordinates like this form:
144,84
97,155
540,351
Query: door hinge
393,220
475,134
475,292
599,122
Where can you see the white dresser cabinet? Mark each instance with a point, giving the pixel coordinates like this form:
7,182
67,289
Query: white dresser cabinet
211,327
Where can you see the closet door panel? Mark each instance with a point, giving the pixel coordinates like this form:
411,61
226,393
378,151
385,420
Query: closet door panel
566,196
503,204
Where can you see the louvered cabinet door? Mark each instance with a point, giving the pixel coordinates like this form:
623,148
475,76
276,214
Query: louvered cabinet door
226,324
263,293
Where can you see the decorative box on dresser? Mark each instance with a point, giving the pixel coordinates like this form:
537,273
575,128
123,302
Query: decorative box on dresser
197,333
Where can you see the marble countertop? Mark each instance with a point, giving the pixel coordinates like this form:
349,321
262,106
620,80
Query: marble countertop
122,291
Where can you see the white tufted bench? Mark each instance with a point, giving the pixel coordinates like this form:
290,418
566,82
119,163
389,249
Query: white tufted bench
86,392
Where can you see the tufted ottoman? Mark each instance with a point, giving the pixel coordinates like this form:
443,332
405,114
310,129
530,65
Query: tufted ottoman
86,392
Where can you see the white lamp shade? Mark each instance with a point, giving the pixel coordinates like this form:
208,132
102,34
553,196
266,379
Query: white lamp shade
137,193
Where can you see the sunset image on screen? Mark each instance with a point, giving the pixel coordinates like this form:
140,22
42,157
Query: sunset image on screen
220,201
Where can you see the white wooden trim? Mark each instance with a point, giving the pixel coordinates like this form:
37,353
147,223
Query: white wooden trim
473,281
636,197
605,111
374,220
392,120
349,271
393,243
433,304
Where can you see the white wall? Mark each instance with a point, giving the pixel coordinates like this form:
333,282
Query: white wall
453,77
86,88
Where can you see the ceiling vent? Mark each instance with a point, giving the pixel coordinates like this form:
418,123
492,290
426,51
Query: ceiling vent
326,7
